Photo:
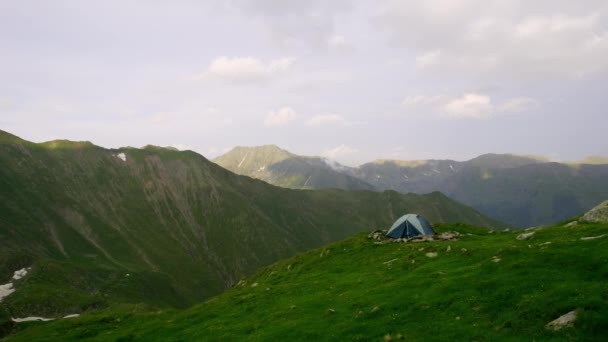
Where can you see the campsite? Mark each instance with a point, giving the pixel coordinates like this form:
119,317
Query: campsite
288,170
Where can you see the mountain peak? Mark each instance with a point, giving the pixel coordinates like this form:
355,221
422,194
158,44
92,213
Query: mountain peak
62,143
506,160
260,149
252,158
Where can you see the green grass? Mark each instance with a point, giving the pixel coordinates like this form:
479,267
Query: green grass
358,290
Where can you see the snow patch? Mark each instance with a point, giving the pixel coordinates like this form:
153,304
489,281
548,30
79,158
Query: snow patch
39,319
305,183
6,290
20,274
451,167
122,156
30,319
242,160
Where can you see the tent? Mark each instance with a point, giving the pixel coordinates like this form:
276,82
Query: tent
410,225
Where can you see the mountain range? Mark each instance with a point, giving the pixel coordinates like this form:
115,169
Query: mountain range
99,226
523,191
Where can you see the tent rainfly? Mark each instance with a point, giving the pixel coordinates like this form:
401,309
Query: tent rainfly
410,225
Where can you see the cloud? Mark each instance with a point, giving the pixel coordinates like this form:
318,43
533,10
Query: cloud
339,43
246,69
519,104
280,117
182,147
422,100
468,106
473,106
296,23
327,119
428,59
560,38
342,152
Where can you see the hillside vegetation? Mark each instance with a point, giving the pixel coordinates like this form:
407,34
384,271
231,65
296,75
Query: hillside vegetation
487,286
161,227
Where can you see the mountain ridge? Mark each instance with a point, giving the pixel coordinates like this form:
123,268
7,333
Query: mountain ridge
522,190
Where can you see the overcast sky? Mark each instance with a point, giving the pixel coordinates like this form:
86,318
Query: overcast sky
351,80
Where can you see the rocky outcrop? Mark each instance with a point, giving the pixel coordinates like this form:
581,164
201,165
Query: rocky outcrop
563,321
598,214
524,236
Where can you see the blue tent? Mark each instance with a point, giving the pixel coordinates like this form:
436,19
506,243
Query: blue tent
410,225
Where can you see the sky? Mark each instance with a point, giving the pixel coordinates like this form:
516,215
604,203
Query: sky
353,81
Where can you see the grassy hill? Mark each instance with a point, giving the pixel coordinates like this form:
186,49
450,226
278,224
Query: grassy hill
282,168
162,227
487,286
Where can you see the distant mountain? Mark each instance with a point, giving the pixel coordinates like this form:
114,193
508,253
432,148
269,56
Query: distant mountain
518,189
100,226
593,160
282,168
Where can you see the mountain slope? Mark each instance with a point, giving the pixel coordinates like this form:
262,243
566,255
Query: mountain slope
531,195
487,286
282,168
163,227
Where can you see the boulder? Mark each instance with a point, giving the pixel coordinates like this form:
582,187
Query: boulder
563,321
598,214
448,236
524,236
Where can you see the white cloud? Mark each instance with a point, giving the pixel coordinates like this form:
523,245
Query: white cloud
339,43
280,117
182,147
537,39
519,104
428,59
280,65
422,100
246,69
474,106
326,119
343,153
158,118
468,106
